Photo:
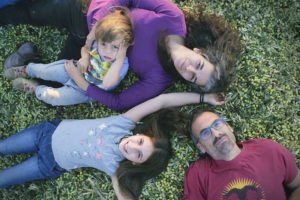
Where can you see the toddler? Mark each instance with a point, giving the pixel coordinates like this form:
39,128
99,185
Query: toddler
105,66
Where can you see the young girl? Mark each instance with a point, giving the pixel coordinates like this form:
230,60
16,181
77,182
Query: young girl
106,144
105,66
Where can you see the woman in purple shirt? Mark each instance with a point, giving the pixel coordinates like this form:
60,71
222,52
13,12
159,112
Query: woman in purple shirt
151,18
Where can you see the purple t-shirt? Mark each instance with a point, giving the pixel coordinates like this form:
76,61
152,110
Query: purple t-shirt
258,172
150,17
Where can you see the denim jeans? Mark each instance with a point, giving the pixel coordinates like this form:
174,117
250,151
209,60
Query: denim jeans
36,139
69,94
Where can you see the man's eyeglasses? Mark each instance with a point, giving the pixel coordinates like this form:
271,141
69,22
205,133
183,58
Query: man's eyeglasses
206,133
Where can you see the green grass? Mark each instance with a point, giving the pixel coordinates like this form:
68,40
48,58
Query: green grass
263,101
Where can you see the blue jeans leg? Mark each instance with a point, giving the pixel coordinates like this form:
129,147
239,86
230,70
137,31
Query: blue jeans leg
25,141
21,173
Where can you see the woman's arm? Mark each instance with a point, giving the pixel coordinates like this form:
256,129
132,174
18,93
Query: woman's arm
170,100
116,187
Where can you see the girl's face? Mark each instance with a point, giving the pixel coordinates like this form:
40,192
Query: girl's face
108,50
137,148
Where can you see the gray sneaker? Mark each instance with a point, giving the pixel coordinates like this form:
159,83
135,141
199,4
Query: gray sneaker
25,85
22,56
15,72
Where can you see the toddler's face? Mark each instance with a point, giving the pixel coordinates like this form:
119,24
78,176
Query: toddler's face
108,50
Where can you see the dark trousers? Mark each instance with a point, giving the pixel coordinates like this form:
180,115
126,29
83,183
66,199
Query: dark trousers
58,13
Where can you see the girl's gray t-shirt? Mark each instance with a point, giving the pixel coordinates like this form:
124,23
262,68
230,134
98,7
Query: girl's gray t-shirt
91,143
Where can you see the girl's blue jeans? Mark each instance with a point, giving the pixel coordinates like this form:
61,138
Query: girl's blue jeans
69,94
36,139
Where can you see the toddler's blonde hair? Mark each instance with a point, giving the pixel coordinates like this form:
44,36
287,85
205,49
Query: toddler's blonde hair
115,25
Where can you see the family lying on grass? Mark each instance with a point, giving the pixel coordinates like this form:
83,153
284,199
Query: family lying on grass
161,44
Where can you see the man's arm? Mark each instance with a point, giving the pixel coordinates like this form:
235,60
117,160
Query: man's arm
294,186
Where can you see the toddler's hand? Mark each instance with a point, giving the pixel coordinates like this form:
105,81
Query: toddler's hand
122,51
215,99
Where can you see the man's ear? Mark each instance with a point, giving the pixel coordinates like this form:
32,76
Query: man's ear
201,148
196,50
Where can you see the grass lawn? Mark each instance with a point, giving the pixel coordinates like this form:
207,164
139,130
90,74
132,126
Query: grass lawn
263,101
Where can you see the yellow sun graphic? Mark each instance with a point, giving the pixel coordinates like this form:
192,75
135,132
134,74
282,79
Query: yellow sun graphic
240,184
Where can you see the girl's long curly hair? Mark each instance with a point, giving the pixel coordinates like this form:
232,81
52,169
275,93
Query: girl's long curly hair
218,41
158,126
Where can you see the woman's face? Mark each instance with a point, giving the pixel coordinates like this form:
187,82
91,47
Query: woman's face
137,148
192,66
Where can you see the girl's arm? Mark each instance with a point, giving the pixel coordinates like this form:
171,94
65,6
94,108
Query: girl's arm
170,100
112,77
116,187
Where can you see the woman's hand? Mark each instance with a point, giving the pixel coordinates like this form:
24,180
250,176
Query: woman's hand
83,65
215,99
90,38
72,69
75,75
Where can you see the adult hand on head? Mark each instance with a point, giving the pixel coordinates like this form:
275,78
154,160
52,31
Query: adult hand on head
90,38
215,99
